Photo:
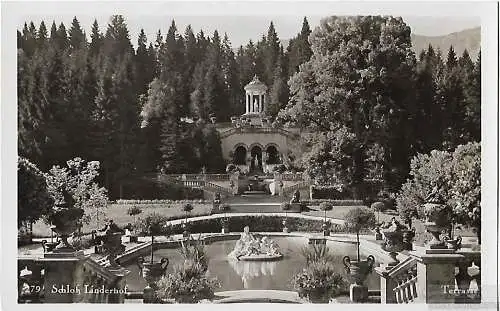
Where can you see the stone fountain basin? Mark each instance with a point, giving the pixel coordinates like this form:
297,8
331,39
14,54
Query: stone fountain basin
261,257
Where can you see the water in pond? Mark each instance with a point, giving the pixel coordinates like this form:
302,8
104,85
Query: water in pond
238,275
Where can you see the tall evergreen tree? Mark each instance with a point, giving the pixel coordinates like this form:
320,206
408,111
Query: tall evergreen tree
299,48
77,38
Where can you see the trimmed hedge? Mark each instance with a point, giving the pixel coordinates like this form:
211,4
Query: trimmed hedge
151,189
158,201
335,202
329,192
256,224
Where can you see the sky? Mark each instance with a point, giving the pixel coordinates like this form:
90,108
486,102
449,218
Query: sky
241,29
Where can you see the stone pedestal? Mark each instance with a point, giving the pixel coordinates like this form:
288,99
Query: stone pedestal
148,295
358,293
436,273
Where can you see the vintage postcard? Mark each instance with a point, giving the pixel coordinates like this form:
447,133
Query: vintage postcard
250,152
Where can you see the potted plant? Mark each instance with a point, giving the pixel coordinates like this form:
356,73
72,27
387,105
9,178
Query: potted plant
356,220
319,281
189,282
326,206
378,206
225,221
187,208
133,211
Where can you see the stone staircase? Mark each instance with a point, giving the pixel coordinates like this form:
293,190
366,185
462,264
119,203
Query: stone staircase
254,201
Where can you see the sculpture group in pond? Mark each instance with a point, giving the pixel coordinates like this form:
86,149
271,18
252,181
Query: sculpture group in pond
249,247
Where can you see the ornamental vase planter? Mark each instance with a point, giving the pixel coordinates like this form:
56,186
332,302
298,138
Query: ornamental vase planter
113,246
152,271
65,221
326,229
319,296
438,219
455,243
393,244
358,270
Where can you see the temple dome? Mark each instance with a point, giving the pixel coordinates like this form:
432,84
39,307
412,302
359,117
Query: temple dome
256,85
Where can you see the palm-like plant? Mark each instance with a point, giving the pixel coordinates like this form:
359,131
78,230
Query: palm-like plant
316,252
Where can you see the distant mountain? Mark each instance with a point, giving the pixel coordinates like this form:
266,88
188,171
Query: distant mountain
469,39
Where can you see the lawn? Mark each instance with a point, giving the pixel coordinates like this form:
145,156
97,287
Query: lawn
118,212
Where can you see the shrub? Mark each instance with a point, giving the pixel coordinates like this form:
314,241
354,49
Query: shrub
33,200
285,206
378,206
316,252
280,168
329,192
256,224
82,242
326,206
147,189
155,222
335,202
134,210
187,284
225,207
195,251
319,282
188,207
231,168
357,219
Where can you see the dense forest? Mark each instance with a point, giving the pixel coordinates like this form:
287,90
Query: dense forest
100,98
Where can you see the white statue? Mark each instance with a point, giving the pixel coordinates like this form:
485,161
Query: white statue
248,245
255,105
256,161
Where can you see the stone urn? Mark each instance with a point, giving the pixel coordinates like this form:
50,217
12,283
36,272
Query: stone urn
438,218
378,234
454,244
326,228
225,225
357,272
285,226
112,246
393,243
185,232
66,221
152,271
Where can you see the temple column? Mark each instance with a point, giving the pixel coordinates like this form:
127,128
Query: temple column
246,98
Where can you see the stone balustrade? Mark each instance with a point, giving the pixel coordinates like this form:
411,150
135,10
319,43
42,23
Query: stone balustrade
63,278
447,277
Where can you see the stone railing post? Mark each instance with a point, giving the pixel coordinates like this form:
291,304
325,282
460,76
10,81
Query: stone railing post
387,285
436,276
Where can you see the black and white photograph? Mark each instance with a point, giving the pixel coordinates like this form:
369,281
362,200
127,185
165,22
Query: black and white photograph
250,152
